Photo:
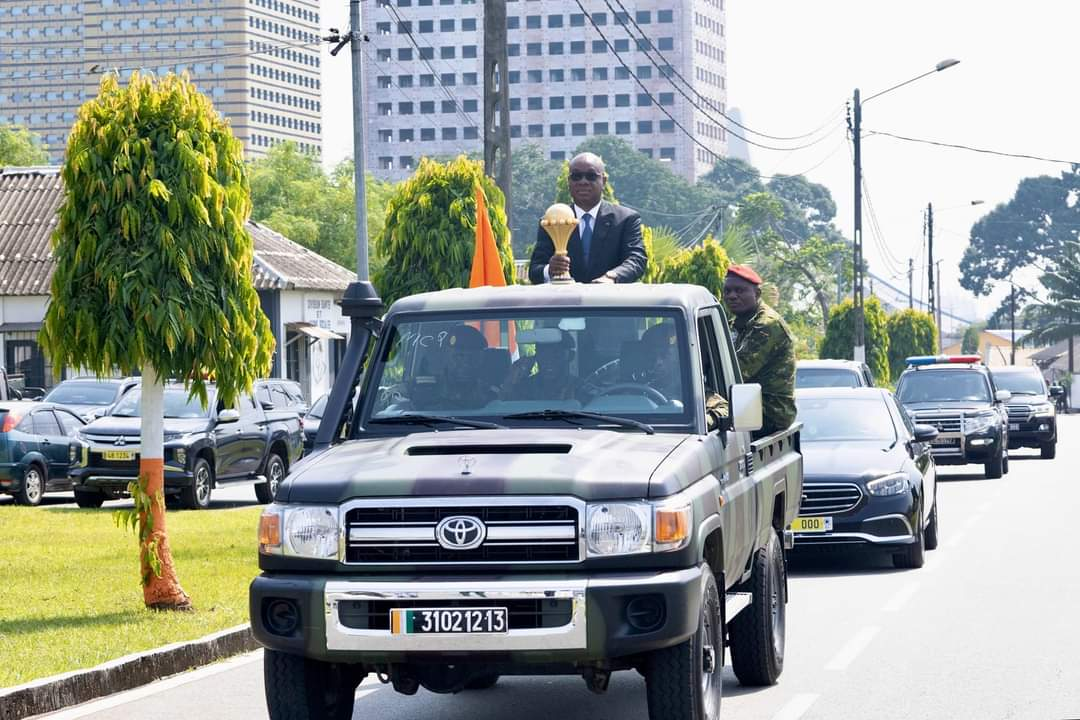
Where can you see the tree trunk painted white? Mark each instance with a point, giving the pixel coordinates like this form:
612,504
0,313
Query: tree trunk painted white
152,410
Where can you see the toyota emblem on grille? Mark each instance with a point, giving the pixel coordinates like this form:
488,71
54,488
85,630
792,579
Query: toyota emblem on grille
466,462
460,532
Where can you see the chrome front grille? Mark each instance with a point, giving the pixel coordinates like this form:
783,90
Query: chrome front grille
944,422
518,531
825,498
1019,413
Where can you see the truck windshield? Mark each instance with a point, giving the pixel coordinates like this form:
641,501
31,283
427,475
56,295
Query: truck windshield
1026,383
630,363
177,404
845,419
943,386
825,377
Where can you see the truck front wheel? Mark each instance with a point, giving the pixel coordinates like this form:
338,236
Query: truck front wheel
757,633
684,682
1048,451
301,689
197,495
275,473
995,468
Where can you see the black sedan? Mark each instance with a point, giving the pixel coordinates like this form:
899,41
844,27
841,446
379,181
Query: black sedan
869,478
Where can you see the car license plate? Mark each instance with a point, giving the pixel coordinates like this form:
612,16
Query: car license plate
119,454
448,621
1014,427
945,442
812,525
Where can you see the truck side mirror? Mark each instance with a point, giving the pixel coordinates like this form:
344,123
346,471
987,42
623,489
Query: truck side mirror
925,433
1002,396
746,414
267,405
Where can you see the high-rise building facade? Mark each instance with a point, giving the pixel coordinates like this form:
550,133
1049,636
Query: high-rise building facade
569,79
258,60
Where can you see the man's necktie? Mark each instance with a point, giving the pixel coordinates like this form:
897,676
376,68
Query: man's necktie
586,234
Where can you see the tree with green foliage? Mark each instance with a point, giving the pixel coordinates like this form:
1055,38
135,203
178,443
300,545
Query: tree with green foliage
292,194
970,343
153,272
732,180
705,265
21,148
533,178
1058,318
660,246
839,342
911,332
430,232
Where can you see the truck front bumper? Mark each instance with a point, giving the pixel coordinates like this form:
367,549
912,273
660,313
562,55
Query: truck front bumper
598,621
114,480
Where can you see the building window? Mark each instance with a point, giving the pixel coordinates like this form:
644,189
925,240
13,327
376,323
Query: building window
557,103
427,107
577,102
577,74
515,104
600,18
468,78
622,45
622,73
577,47
555,48
427,26
449,106
406,135
385,163
600,101
622,100
448,79
468,24
449,133
404,81
643,100
667,153
384,135
468,51
446,25
513,22
536,131
556,76
643,17
536,103
666,43
469,106
405,108
515,131
643,44
427,53
534,49
384,82
555,21
534,76
404,54
471,132
427,81
427,134
647,152
600,128
599,46
644,72
599,73
404,27
665,16
622,128
448,52
533,22
577,129
406,162
577,20
558,130
558,154
667,98
644,127
514,76
667,126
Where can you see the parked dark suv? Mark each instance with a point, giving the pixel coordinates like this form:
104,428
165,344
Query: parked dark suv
1032,410
956,394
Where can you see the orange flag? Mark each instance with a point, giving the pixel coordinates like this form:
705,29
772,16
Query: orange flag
487,269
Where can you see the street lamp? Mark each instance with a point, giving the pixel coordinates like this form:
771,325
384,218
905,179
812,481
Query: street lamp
856,131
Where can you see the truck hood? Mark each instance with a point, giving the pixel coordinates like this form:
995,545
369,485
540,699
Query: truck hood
588,464
964,406
113,425
847,460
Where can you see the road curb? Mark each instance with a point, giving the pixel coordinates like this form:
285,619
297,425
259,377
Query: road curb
60,691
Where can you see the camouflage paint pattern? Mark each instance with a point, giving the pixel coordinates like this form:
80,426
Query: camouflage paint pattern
766,353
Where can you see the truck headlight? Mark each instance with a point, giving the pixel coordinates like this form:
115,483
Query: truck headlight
979,423
1043,410
619,528
302,531
73,453
895,484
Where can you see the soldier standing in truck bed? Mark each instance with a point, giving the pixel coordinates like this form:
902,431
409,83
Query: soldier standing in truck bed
764,347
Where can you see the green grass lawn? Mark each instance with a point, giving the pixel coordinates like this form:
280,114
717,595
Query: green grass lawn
69,586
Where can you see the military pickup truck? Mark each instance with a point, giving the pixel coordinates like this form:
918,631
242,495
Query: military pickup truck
530,483
204,448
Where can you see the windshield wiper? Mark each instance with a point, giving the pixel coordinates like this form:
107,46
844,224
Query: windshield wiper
435,420
1025,392
570,415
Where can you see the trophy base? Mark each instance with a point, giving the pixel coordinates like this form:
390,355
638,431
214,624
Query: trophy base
562,280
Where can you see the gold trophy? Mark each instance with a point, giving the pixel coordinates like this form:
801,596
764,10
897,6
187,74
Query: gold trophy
559,223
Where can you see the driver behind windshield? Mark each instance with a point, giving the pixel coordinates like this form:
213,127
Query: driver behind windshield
661,371
545,375
462,385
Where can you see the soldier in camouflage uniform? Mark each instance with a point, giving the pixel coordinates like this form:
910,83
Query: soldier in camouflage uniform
764,347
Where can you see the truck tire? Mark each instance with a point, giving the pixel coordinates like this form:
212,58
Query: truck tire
757,634
301,689
33,487
996,467
931,537
482,682
197,495
914,555
87,499
684,682
1048,451
275,473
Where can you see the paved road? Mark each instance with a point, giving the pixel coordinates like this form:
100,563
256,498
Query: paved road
988,629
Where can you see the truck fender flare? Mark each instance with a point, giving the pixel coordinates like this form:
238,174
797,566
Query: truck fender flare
705,529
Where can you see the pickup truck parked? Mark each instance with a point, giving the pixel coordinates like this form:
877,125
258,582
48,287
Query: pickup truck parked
529,484
204,448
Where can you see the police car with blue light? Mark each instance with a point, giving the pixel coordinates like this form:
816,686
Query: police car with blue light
956,394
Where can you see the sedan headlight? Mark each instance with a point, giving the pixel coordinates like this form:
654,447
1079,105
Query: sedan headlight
299,530
624,528
895,484
979,423
1046,410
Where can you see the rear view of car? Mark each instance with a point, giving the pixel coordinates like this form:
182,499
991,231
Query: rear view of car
90,398
832,373
36,449
1032,408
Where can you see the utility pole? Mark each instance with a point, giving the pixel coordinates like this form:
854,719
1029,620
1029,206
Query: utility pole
497,98
910,283
938,306
1012,322
930,299
355,39
859,352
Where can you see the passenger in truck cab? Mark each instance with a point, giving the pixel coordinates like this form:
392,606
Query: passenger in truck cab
661,371
552,379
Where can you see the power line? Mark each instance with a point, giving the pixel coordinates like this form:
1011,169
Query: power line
650,211
955,146
706,100
705,229
668,69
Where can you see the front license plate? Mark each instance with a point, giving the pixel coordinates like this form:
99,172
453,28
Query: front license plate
945,442
119,454
812,525
1014,427
448,621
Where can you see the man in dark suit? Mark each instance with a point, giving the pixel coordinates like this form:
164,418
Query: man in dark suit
607,244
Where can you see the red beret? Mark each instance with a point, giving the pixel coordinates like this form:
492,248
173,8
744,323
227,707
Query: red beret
746,273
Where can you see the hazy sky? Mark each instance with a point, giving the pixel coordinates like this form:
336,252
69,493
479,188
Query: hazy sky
792,63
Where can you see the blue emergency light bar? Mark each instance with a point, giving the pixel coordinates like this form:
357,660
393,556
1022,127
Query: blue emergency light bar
918,360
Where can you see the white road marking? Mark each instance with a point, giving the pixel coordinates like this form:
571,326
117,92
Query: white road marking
901,597
956,539
971,522
933,563
982,508
153,688
849,652
796,707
